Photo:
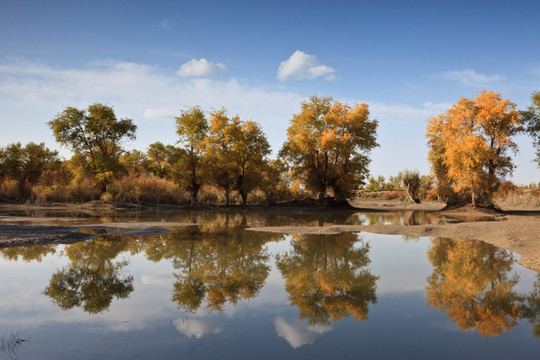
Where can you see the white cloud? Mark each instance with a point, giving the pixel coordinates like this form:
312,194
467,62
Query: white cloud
158,114
304,66
201,68
299,333
198,327
471,77
165,23
137,91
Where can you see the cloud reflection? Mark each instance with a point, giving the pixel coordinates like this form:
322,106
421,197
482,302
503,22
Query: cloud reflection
198,327
299,333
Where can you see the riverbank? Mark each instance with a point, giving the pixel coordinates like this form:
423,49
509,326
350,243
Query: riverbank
517,230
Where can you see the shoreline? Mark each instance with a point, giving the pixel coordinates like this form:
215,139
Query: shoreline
517,230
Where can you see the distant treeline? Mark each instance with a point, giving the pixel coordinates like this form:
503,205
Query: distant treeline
222,159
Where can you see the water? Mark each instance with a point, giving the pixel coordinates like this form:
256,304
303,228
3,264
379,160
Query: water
217,291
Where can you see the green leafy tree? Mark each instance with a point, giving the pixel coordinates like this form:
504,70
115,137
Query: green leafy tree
134,162
161,159
531,121
192,128
96,135
327,145
411,182
11,161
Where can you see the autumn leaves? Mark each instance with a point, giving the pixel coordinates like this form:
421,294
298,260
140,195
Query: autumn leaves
326,152
471,146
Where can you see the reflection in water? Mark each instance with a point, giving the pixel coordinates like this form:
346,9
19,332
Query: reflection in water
531,309
399,218
198,327
27,253
215,266
327,279
473,283
297,332
92,279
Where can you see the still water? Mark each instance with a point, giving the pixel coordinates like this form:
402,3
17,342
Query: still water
216,291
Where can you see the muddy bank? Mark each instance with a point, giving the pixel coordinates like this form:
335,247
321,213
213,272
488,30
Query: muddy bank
19,235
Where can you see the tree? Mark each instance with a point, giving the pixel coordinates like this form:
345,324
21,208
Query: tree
134,162
327,143
192,127
411,182
95,134
162,159
250,150
219,143
470,145
531,120
25,165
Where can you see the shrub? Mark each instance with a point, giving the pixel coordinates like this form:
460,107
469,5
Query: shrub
9,190
144,190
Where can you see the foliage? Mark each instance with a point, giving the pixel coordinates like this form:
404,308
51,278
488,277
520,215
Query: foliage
236,153
96,135
327,143
411,181
327,278
134,162
470,145
472,282
92,279
160,159
144,189
28,162
531,120
192,128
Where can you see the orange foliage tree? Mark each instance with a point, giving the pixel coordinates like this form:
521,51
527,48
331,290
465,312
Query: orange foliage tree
473,283
470,146
327,143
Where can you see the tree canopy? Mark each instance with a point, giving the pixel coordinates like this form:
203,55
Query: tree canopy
531,120
96,134
470,146
191,127
327,143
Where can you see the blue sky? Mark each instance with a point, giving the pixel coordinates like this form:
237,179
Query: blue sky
406,59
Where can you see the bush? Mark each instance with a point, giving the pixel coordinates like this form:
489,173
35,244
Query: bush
144,190
9,190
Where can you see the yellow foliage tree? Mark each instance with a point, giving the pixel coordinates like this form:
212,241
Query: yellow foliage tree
327,143
470,146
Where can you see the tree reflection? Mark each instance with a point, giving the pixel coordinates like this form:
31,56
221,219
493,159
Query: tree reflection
473,283
327,279
215,266
92,279
531,309
27,253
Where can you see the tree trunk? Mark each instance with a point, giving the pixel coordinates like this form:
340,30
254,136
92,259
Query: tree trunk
227,196
244,198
